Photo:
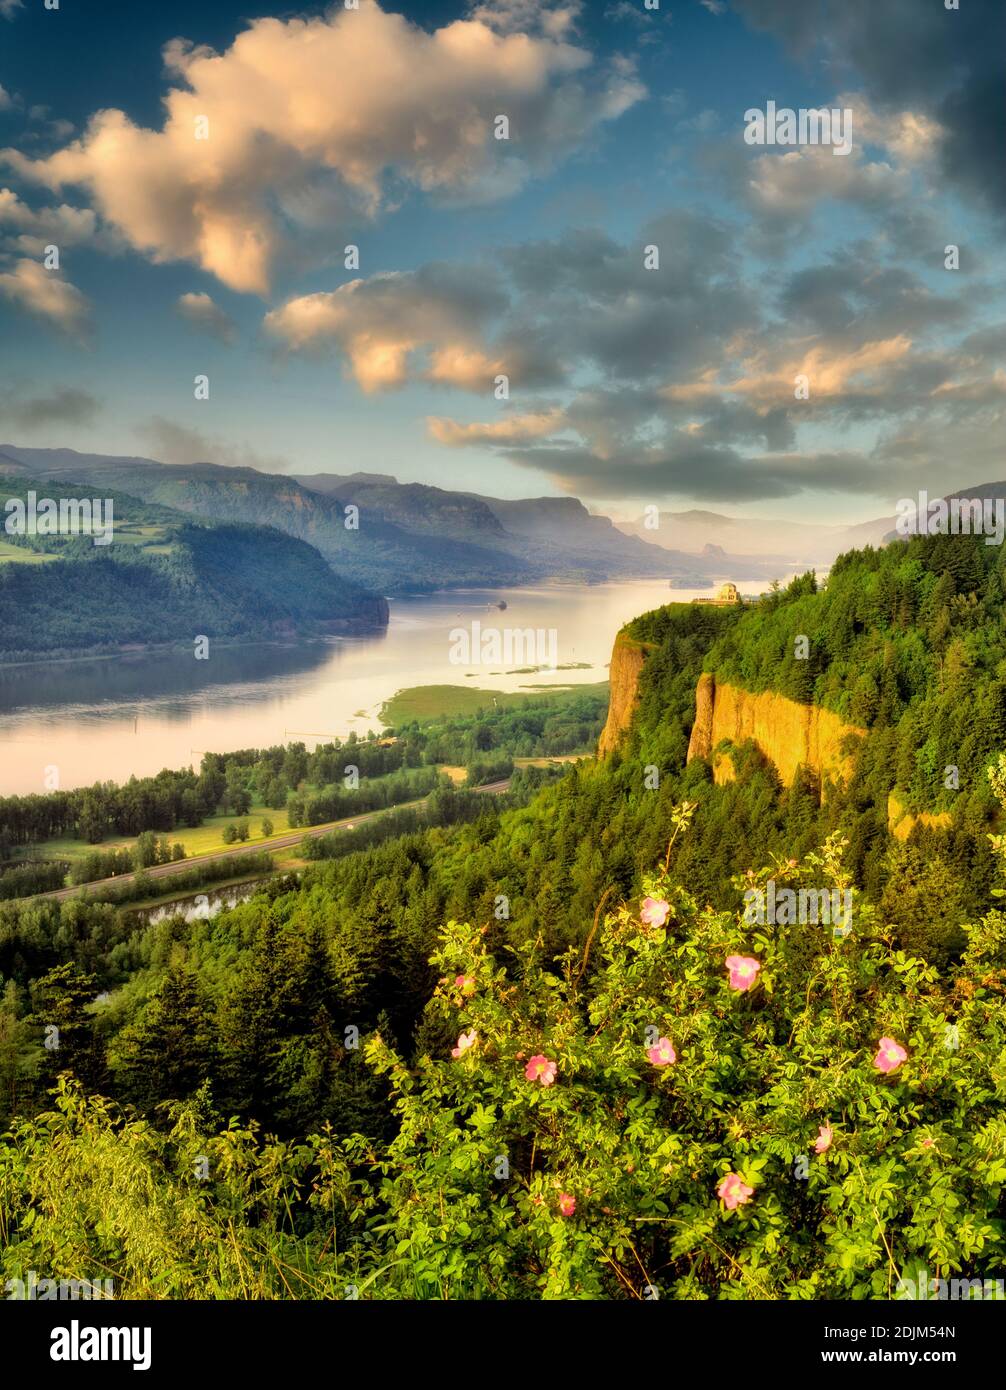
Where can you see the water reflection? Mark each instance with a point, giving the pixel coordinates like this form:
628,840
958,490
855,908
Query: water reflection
106,720
124,680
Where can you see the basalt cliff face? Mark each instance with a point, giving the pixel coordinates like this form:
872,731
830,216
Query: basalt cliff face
789,734
627,660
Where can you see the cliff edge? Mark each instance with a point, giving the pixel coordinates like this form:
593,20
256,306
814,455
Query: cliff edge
789,734
627,660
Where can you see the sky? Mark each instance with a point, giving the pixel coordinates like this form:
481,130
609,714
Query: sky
625,298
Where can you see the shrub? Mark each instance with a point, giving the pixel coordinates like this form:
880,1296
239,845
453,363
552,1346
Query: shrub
701,1177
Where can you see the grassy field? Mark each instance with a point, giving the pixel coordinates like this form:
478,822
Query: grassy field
427,703
153,540
203,839
20,555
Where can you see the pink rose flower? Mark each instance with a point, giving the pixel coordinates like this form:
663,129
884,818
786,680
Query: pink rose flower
541,1069
567,1204
663,1054
890,1055
465,1041
654,912
465,984
823,1142
743,971
733,1191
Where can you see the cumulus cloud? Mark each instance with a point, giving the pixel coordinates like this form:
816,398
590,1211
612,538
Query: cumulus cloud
29,230
790,185
333,108
592,299
580,300
44,294
201,312
431,325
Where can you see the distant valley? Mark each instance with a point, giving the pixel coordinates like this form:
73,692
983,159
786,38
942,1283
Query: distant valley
411,538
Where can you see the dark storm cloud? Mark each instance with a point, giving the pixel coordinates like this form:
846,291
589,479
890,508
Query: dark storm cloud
66,406
946,63
704,472
854,292
594,300
987,342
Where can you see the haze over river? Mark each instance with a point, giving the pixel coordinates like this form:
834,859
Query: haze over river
103,720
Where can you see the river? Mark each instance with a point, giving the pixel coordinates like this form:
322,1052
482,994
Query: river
104,720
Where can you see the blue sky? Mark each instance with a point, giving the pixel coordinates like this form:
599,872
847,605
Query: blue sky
628,386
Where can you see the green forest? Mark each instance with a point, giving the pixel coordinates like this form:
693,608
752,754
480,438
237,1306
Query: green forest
533,1047
167,579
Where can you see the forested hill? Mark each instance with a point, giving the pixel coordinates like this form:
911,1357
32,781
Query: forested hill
165,579
908,642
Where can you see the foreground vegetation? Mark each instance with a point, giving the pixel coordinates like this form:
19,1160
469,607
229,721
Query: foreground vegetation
634,1120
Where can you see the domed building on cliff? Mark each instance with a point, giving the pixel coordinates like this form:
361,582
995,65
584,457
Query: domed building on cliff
727,594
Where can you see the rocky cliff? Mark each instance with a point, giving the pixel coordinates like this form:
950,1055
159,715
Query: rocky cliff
627,660
789,734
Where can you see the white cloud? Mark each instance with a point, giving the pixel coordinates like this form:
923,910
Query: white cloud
9,8
553,17
791,184
42,293
338,106
401,326
201,312
30,230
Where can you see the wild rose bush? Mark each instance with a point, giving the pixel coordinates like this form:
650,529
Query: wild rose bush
696,1107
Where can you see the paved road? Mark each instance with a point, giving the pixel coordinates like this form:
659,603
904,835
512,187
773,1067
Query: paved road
255,847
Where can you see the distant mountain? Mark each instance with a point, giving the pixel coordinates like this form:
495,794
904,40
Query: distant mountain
166,579
549,536
789,545
411,538
378,555
792,545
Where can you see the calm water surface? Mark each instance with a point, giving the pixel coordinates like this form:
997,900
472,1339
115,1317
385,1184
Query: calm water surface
107,719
